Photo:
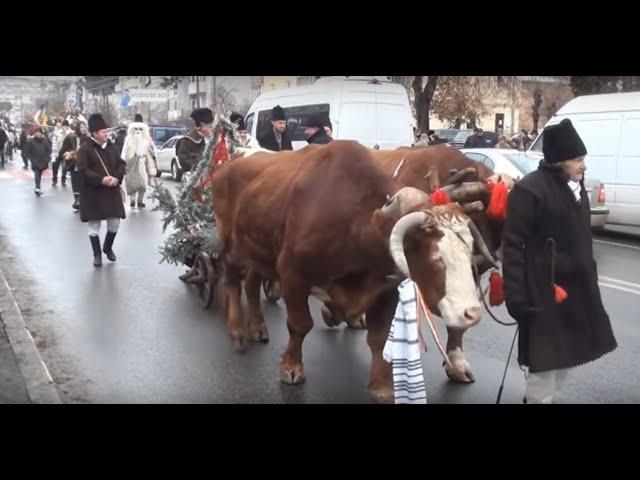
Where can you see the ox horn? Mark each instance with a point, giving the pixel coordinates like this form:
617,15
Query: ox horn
396,239
482,246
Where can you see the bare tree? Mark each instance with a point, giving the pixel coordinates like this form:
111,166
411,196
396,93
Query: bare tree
535,108
460,99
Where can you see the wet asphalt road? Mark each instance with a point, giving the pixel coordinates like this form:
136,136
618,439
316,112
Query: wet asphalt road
132,332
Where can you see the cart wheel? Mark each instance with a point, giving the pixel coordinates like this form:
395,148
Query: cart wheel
272,290
206,289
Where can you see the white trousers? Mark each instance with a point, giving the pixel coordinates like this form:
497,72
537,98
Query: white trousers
112,226
542,386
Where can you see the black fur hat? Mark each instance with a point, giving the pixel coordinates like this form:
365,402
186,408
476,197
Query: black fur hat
277,113
562,142
202,115
238,120
96,122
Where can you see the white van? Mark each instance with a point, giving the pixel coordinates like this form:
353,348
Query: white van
372,110
609,126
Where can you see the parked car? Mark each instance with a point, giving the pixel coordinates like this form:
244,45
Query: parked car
167,160
460,138
447,134
162,133
517,164
490,139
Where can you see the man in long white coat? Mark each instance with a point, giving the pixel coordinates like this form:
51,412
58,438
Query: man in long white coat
137,152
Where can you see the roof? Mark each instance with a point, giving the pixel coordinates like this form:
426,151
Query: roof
608,102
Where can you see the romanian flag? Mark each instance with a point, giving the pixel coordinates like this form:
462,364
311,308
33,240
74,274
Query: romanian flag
41,115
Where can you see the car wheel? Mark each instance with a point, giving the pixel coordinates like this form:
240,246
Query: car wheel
176,172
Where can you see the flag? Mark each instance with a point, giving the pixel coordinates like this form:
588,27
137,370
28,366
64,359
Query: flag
41,115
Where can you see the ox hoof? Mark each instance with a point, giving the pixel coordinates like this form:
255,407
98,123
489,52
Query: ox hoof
460,374
292,375
239,343
358,322
259,333
383,396
329,318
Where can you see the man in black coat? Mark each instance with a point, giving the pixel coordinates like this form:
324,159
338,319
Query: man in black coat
101,171
190,148
276,138
476,140
3,141
550,276
314,130
39,151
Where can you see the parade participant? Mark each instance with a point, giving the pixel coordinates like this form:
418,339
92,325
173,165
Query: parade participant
276,138
550,276
503,142
3,140
39,152
137,152
476,140
190,148
59,134
314,130
23,144
70,148
102,171
242,136
120,137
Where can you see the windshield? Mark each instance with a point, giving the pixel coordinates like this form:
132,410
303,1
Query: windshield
522,162
462,136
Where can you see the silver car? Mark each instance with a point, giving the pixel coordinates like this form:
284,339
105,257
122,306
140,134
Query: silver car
516,164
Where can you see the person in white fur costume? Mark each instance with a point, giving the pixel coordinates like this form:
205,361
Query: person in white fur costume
137,152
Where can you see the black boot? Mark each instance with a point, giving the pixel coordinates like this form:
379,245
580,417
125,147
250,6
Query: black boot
108,243
76,204
97,254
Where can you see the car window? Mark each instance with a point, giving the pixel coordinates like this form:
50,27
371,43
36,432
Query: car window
522,162
168,144
249,122
296,117
478,157
537,144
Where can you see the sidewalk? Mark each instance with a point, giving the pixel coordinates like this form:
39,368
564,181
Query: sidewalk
12,385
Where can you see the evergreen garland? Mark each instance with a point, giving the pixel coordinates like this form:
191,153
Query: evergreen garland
193,222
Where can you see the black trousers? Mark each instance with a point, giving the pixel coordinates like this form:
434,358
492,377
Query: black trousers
2,156
55,167
25,159
38,177
75,180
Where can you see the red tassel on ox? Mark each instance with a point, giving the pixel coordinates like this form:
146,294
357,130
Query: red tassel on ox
439,197
497,209
496,289
560,293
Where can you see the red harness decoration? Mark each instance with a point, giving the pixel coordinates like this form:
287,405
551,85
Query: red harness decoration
439,197
496,289
497,209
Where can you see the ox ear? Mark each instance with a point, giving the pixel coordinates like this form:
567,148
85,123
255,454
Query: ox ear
383,222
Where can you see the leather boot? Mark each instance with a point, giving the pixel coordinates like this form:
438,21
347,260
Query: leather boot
108,243
97,254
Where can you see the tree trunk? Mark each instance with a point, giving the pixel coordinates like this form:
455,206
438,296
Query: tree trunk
422,100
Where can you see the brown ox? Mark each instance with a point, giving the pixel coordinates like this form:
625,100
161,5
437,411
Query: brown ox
312,219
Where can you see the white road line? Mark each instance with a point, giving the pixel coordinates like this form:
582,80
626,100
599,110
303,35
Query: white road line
617,244
615,280
635,292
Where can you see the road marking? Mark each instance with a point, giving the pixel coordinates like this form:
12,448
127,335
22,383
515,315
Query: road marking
615,280
603,284
617,244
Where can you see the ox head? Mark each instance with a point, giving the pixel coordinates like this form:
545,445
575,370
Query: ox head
434,247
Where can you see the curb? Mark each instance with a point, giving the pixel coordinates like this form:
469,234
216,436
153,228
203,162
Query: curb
37,379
